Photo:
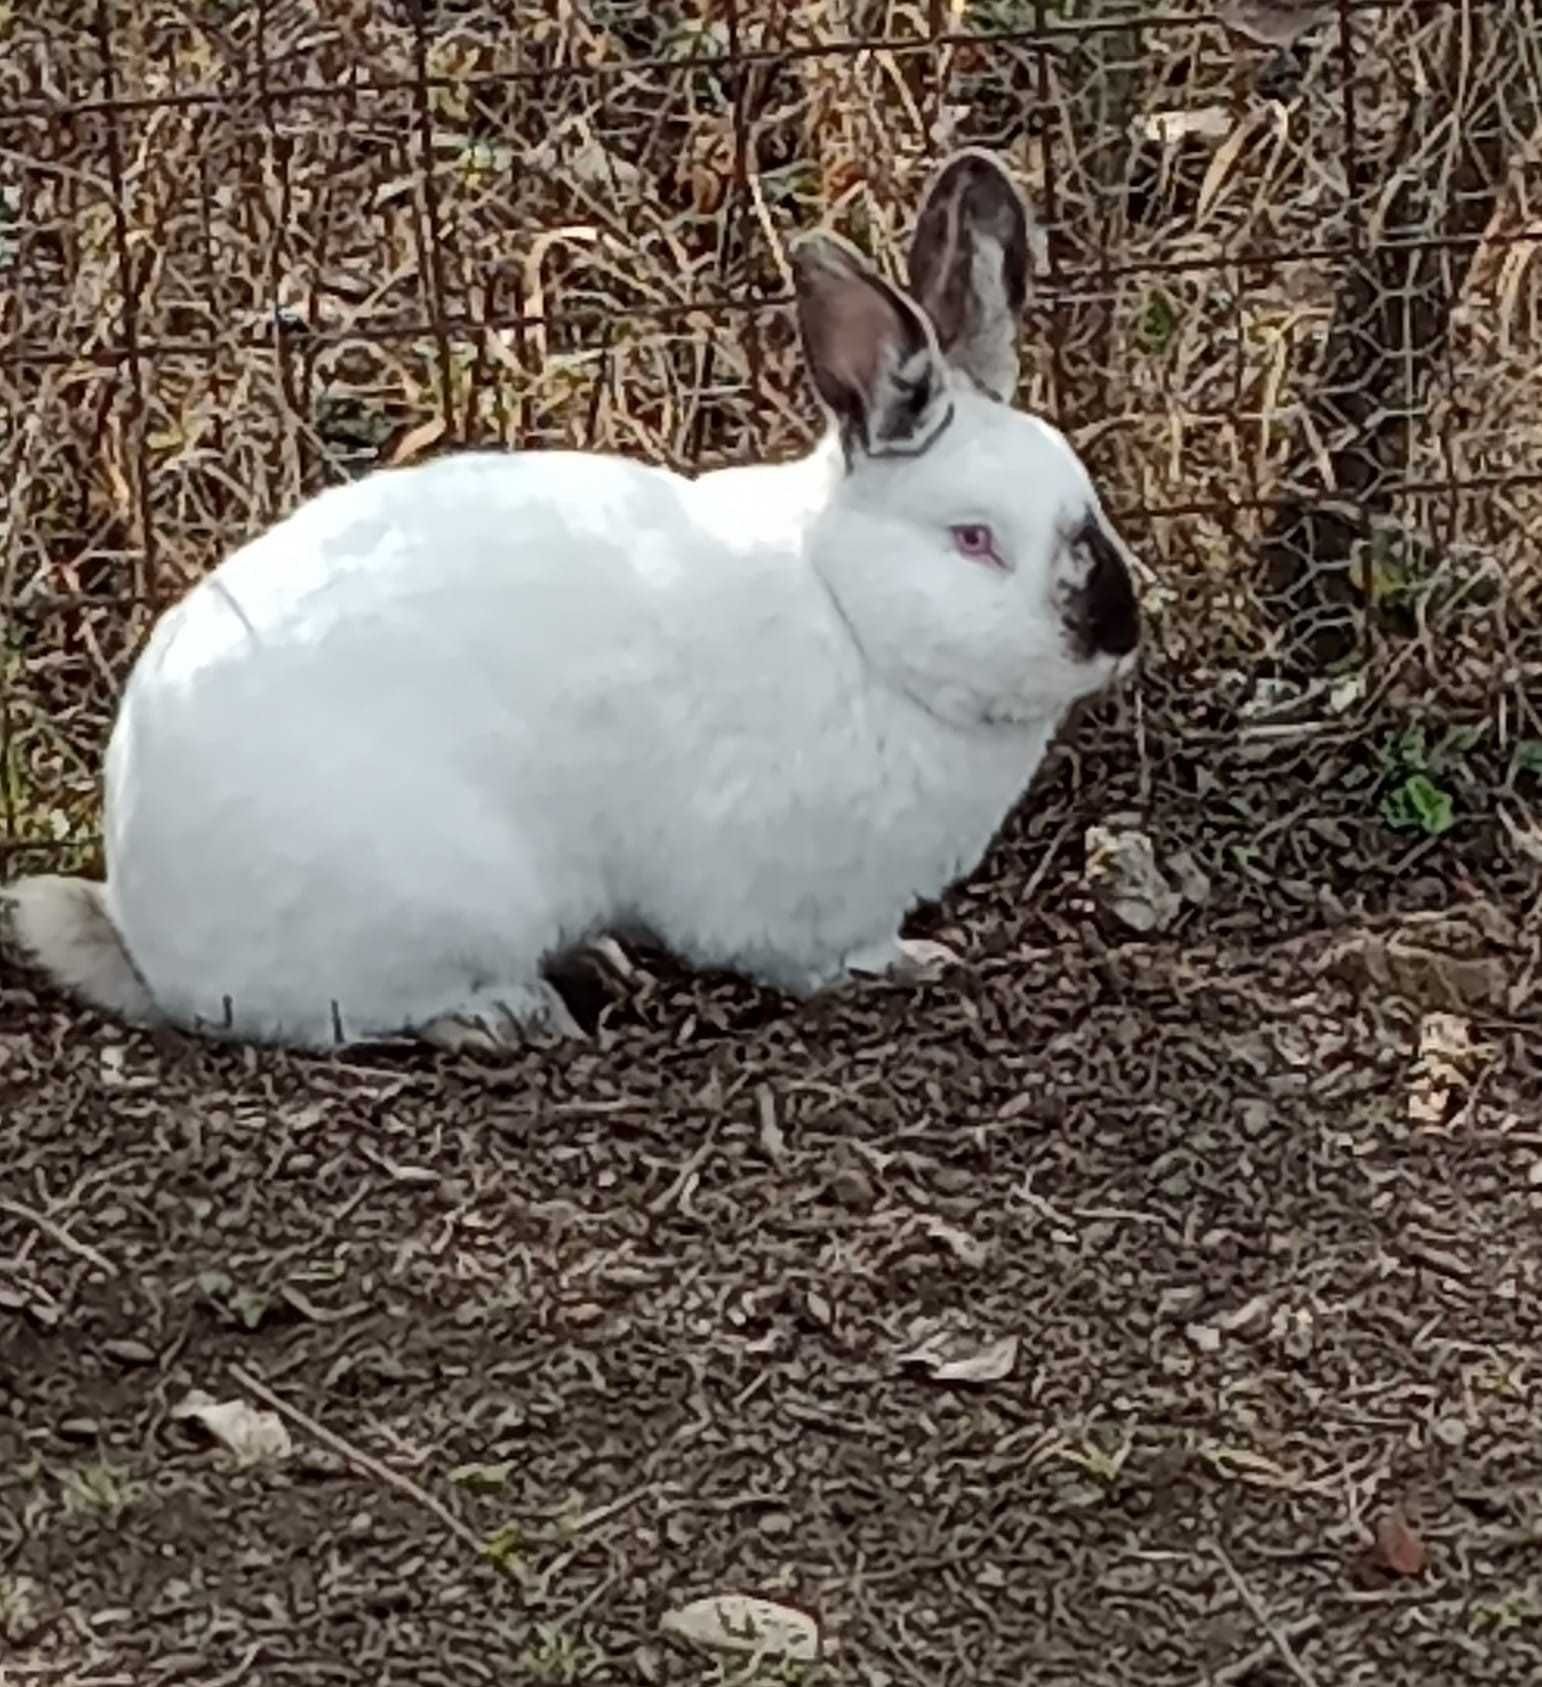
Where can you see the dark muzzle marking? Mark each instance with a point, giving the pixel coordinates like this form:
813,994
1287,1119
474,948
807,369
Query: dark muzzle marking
1105,617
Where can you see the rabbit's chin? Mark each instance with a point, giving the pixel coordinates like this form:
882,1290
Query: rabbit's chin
1085,682
964,706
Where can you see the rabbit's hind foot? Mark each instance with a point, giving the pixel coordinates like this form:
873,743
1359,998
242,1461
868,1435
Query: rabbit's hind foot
501,1020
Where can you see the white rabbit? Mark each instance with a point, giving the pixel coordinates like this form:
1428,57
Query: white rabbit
440,727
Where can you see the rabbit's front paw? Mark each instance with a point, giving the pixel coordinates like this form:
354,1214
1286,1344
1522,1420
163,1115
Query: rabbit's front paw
921,959
911,960
495,1021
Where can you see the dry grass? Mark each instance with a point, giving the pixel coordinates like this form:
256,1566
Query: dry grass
284,256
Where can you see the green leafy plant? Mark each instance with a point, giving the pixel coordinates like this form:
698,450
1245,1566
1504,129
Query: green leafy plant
1419,804
1101,1462
1527,758
1158,322
247,1307
507,1550
557,1656
482,1478
1417,777
99,1487
1391,569
1519,1609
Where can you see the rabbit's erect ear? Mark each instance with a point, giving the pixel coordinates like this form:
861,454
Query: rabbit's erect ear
871,354
969,268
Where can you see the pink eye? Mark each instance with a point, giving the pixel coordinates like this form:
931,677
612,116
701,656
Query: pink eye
977,541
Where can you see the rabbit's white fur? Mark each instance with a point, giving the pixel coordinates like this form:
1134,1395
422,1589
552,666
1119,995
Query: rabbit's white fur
444,723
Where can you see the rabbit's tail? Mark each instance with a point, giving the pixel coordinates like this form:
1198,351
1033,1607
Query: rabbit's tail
62,925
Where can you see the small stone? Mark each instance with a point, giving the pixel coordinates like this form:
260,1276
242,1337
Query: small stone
1204,1336
1450,1432
1253,1117
1295,1332
853,1188
1192,880
129,1352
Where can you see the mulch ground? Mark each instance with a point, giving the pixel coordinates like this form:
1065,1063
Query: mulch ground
641,1322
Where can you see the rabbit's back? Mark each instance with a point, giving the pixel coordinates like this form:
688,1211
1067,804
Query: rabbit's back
440,543
479,585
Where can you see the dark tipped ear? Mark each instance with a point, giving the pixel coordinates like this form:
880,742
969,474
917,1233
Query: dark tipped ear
969,268
871,353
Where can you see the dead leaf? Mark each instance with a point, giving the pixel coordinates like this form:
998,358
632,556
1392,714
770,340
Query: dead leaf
987,1364
1122,872
253,1436
964,1247
1446,1050
739,1622
1211,122
482,1478
707,164
1440,961
1398,1547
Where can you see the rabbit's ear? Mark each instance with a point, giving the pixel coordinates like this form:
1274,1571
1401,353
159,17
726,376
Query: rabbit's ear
871,354
969,268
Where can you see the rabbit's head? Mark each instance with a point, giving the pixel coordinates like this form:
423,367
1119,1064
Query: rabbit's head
963,541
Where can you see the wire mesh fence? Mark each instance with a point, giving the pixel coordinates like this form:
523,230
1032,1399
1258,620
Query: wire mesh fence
1288,307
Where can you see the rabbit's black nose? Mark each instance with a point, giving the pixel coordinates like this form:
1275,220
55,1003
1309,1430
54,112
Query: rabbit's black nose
1104,614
